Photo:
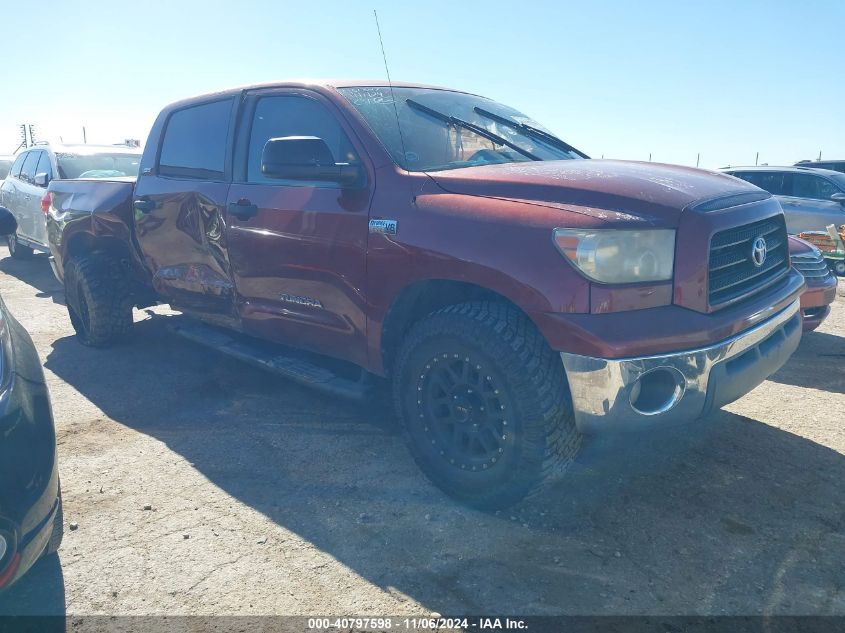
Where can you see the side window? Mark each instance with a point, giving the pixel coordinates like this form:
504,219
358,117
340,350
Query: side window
194,144
807,186
44,166
776,183
28,169
16,166
280,116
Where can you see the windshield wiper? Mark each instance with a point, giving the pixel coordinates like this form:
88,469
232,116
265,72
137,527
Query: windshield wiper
530,130
472,127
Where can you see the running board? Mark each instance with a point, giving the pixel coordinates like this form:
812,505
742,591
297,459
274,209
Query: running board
268,356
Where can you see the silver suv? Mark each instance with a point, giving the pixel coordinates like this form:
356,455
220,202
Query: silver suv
23,190
811,198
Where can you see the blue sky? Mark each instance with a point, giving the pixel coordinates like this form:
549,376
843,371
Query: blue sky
621,79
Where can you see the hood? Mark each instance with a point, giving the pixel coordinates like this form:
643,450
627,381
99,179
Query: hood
609,190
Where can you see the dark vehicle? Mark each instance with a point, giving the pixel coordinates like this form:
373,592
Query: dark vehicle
821,283
30,495
833,165
515,294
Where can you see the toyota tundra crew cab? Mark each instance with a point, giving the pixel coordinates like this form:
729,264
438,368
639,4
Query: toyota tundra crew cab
515,293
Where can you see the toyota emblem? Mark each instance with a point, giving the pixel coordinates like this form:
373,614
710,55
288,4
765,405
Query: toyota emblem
758,252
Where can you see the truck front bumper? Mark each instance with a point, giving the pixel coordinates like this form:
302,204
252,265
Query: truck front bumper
630,393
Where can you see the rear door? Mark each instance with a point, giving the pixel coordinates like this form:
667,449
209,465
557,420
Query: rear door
9,187
299,261
179,207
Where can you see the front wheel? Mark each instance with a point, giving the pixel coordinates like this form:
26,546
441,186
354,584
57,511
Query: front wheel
98,299
16,249
838,267
485,404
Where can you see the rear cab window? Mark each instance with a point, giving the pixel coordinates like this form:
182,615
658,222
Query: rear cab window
194,144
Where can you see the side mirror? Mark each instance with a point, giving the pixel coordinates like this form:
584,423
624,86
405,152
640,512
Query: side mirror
839,197
8,223
306,158
41,180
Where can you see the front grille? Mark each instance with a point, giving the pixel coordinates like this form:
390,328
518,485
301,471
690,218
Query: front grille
811,265
733,272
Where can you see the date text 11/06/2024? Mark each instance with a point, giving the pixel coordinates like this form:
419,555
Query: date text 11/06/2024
413,624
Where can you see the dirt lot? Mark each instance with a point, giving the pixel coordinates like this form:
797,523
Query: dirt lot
269,499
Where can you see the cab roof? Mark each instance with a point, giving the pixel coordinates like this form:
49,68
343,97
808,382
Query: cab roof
318,84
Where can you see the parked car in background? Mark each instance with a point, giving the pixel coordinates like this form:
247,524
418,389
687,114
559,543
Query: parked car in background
30,493
515,294
811,198
834,165
23,191
5,166
821,283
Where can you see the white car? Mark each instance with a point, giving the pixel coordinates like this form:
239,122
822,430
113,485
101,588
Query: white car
24,187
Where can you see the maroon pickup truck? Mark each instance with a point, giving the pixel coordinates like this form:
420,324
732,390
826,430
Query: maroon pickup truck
516,294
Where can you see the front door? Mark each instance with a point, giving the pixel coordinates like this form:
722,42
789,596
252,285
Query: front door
811,207
298,249
178,210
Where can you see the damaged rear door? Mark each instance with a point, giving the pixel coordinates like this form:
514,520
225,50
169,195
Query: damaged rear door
178,210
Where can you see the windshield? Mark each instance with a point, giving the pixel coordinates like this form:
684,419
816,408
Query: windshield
5,166
441,129
97,165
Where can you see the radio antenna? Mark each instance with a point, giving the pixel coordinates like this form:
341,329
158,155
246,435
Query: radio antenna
390,85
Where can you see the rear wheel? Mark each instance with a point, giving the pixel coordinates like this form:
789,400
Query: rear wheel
98,299
838,267
484,404
16,249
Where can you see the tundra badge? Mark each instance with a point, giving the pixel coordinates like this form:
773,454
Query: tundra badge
387,227
303,301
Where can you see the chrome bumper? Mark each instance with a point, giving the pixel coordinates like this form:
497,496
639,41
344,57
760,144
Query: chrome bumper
630,393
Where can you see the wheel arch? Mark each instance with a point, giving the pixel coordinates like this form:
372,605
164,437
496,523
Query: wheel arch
423,297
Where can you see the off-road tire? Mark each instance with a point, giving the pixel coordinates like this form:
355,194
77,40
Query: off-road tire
518,377
16,249
58,530
98,297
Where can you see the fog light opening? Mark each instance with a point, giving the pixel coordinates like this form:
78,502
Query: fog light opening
658,390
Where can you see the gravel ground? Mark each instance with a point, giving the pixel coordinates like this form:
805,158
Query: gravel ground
262,497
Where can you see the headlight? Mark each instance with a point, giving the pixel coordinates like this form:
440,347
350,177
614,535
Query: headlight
619,257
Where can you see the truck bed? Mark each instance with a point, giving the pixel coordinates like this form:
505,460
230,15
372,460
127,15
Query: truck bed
97,207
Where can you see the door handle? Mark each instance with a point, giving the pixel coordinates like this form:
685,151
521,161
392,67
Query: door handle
144,205
243,209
